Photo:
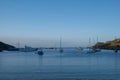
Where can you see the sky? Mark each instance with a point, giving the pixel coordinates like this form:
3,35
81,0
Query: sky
41,23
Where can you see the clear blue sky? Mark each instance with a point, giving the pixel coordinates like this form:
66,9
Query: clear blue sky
42,22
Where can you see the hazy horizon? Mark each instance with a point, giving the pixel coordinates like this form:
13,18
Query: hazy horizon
41,23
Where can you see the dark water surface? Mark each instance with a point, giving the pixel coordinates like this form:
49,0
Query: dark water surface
70,65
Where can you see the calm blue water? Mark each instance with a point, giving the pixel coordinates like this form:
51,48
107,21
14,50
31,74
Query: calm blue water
70,65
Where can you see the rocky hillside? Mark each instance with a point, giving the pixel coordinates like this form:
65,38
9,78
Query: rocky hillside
4,46
114,44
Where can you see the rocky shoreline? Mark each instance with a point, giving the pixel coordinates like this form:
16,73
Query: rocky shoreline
109,45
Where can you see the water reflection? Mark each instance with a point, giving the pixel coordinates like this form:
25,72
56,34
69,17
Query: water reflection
116,64
104,65
40,60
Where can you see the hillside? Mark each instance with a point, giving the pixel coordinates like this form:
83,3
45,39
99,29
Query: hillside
4,46
114,44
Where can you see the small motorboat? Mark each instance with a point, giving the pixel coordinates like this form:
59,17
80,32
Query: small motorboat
97,50
91,51
39,52
116,51
61,50
79,48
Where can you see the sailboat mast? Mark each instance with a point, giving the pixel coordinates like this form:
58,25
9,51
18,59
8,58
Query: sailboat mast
18,45
60,43
61,50
97,42
89,43
97,39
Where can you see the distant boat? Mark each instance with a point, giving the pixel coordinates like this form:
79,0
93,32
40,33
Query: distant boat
40,52
116,51
93,49
27,49
90,49
61,50
97,48
79,48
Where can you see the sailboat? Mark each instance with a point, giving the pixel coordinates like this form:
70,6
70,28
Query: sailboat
116,49
90,49
40,52
61,50
79,48
27,49
97,49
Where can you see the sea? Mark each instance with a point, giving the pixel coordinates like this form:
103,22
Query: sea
72,64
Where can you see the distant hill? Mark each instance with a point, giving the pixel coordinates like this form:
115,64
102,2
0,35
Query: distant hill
4,46
114,44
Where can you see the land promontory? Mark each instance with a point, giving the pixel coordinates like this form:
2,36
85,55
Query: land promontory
110,45
4,46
